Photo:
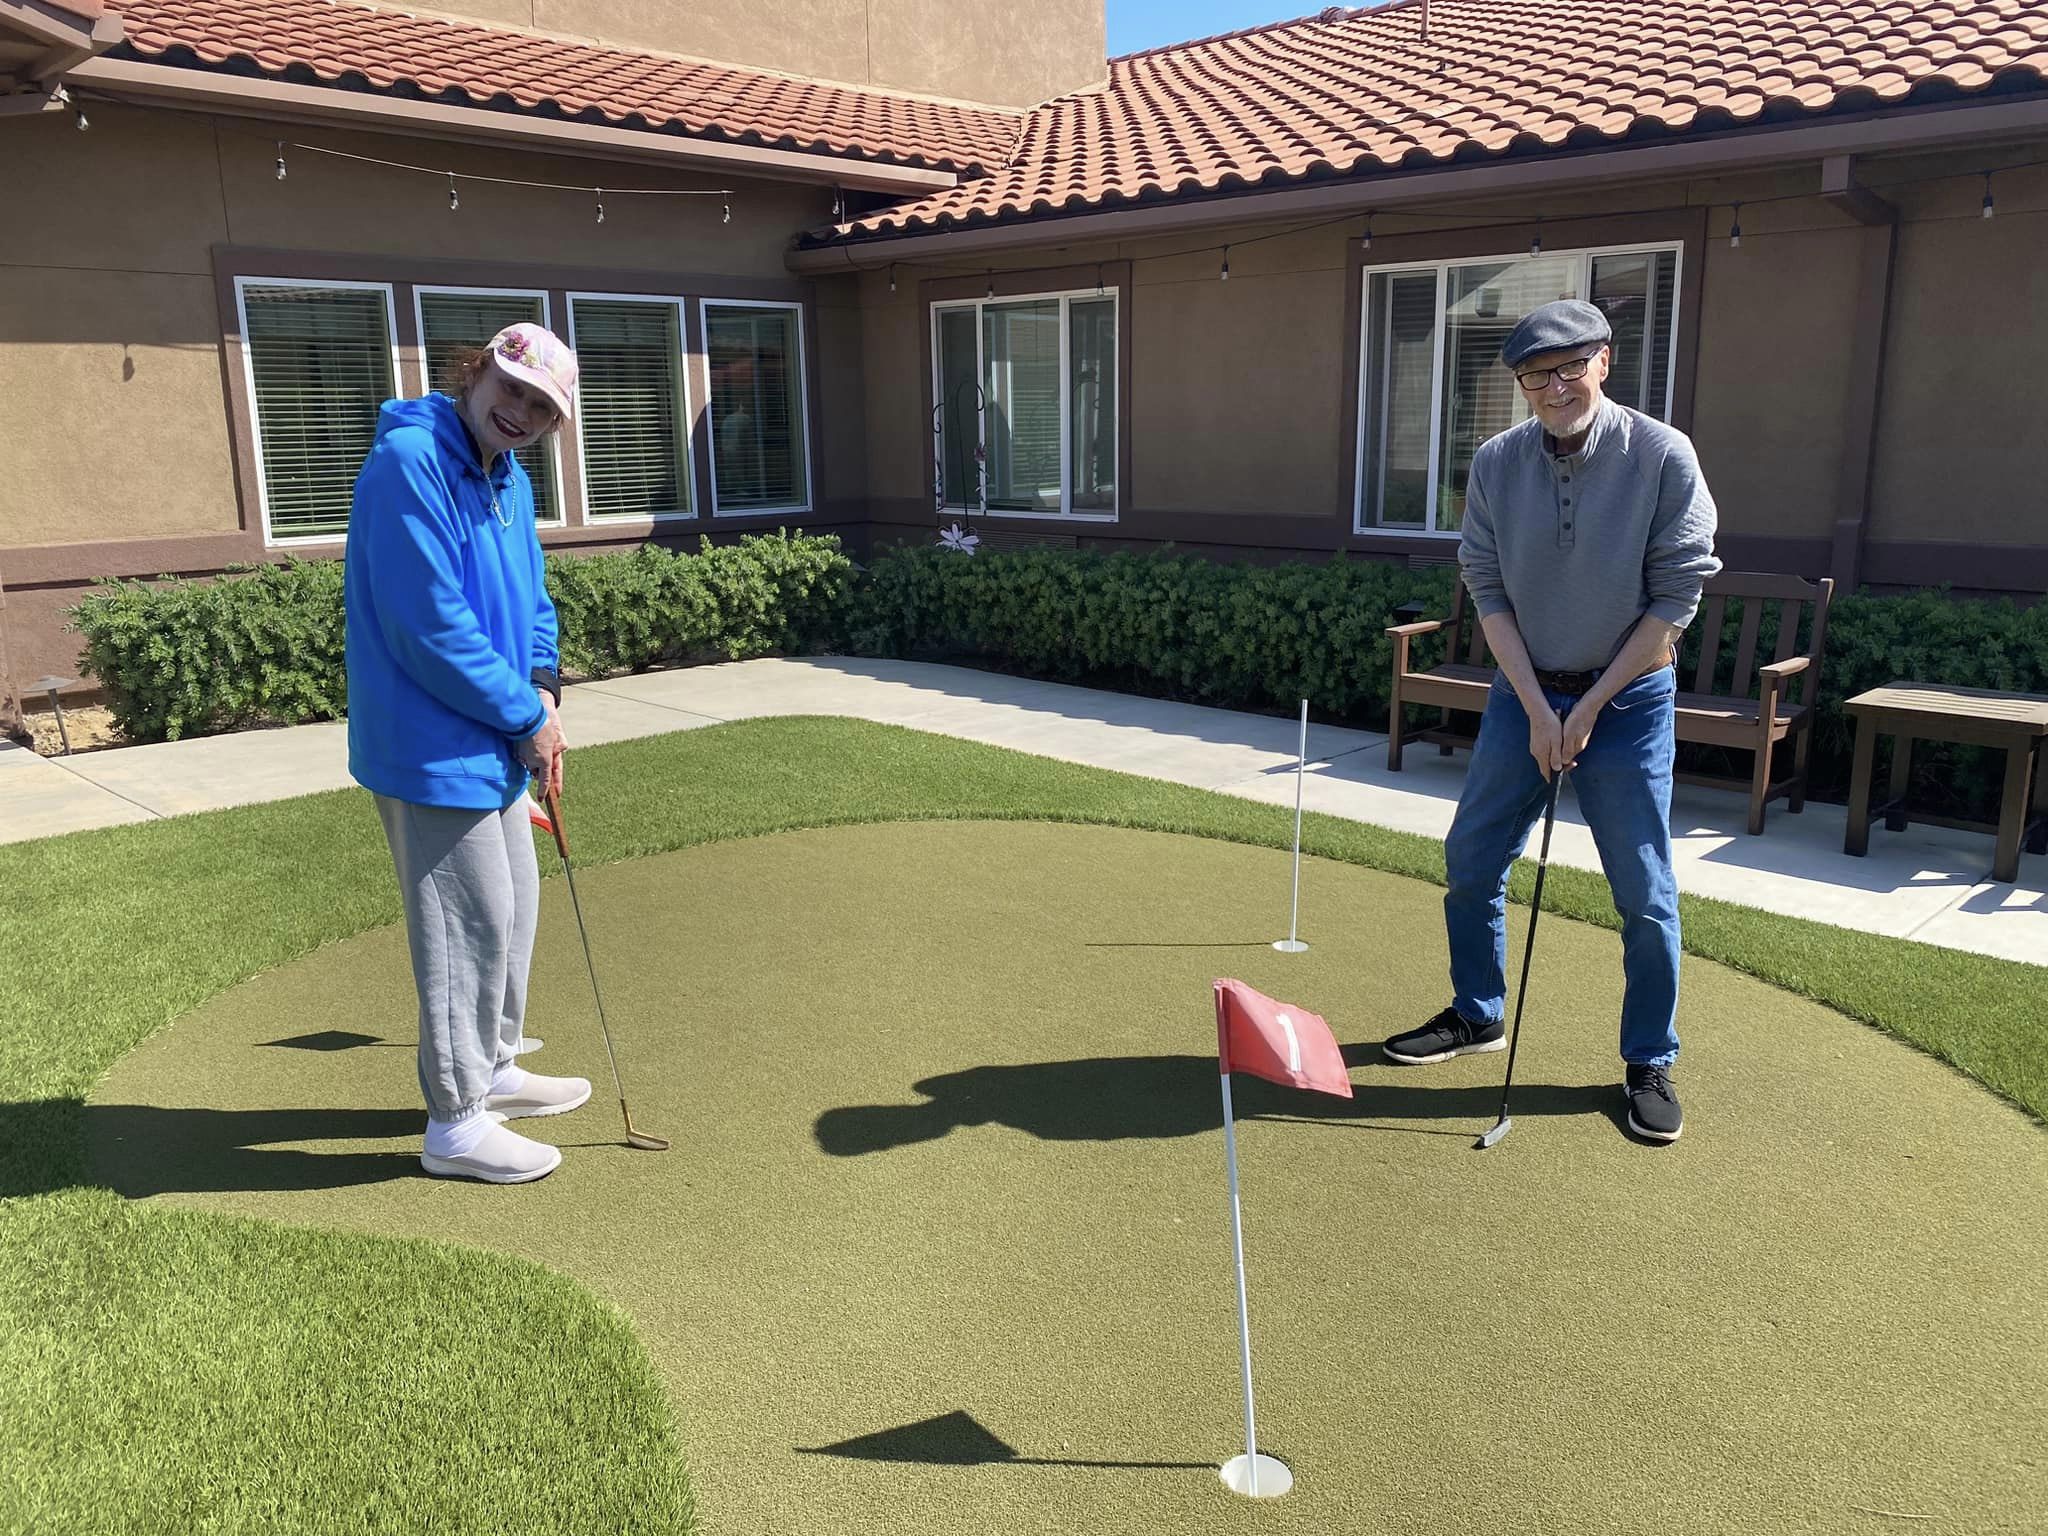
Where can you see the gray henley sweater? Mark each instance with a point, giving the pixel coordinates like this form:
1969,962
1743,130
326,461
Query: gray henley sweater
1578,547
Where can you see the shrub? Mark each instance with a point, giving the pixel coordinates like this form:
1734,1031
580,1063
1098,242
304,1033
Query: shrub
1264,637
264,644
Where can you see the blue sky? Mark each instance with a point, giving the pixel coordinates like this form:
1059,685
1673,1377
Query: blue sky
1136,24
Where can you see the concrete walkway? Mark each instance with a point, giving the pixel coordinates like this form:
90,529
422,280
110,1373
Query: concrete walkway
1923,883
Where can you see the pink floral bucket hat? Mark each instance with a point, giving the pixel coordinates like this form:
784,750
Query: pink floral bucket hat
537,357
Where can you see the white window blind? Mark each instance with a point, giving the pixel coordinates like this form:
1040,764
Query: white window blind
1432,388
758,453
319,366
454,323
632,407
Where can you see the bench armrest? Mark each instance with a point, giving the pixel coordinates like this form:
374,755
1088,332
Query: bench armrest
1425,627
1783,669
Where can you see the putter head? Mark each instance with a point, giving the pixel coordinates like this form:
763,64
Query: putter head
645,1142
1492,1137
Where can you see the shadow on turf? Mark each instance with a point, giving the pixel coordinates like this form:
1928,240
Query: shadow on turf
139,1150
1111,1098
958,1439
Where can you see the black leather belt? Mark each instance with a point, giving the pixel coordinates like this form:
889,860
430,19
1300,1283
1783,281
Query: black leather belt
1567,682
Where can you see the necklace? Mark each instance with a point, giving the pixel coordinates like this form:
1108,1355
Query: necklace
503,517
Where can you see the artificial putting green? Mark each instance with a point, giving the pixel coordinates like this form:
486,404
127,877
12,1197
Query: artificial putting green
942,1246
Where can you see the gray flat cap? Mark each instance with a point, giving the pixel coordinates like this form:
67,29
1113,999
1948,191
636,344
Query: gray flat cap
1555,327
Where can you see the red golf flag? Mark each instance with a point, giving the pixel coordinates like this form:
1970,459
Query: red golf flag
538,816
1276,1041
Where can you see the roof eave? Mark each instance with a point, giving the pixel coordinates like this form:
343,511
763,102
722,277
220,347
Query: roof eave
278,99
1744,148
68,38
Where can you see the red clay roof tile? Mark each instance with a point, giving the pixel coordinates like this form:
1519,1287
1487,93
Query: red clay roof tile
333,41
1363,92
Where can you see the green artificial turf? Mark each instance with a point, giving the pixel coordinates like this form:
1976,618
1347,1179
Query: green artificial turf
110,935
941,1245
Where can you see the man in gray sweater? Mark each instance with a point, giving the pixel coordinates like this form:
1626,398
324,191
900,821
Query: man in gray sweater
1588,536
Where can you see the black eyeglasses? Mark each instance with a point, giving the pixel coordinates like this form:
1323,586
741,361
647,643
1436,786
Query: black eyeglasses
1539,378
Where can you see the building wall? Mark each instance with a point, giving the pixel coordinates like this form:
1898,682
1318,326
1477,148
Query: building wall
1002,55
111,333
1244,429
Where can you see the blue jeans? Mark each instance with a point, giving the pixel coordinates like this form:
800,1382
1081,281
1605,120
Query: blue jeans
1623,784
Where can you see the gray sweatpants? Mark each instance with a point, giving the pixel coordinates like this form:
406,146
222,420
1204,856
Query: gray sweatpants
471,886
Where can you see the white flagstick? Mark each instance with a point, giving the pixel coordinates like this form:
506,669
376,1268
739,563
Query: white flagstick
1291,945
1244,1474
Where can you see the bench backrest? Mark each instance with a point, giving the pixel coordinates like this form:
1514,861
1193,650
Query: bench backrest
1802,609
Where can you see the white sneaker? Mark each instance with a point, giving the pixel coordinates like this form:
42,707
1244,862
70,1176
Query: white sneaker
538,1095
499,1157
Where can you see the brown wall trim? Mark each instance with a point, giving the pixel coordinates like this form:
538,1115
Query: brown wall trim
1107,276
1897,129
480,125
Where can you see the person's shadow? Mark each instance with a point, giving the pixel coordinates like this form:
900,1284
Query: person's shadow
1111,1098
139,1150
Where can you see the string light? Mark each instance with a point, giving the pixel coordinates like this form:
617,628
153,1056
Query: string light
1536,241
83,124
1098,279
280,159
991,285
1368,231
728,214
1735,230
892,277
454,197
1225,274
600,205
1990,205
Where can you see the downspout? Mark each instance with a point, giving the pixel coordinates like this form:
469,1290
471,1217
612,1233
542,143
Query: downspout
1880,248
12,714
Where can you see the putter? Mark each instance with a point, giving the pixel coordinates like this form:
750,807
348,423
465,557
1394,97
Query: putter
640,1139
1505,1124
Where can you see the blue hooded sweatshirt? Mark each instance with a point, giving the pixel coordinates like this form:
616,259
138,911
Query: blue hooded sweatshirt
448,617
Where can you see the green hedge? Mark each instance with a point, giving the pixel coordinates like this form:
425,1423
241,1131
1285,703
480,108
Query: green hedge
1265,637
264,644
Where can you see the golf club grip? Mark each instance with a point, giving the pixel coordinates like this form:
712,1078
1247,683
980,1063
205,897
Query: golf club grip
554,805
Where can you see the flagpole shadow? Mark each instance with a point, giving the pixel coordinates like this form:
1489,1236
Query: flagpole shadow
958,1439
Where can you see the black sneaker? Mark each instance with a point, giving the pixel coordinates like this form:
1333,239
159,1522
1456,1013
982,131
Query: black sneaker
1449,1034
1653,1110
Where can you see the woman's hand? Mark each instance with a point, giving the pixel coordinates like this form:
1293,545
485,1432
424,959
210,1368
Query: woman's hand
545,750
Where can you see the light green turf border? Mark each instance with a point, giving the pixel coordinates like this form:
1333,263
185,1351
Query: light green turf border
109,935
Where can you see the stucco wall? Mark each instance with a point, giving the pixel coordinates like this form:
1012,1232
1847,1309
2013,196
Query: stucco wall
1002,55
111,353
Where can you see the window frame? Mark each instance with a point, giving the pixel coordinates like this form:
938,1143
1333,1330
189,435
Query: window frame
686,368
243,282
1113,292
1684,311
420,292
705,304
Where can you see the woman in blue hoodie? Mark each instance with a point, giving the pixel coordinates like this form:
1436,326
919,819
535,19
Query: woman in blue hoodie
452,697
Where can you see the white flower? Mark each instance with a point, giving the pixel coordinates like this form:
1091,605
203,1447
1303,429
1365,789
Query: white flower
956,537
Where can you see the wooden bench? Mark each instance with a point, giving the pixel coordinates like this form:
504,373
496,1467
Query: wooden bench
1788,686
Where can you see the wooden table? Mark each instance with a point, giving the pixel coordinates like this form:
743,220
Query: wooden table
2018,722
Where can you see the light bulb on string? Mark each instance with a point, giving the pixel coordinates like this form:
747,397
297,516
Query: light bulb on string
1536,242
892,277
280,159
1224,275
1098,279
1990,204
728,214
454,197
83,124
600,205
991,285
1735,230
1368,232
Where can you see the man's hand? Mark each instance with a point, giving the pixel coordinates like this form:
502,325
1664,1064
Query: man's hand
545,750
1578,729
1546,741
